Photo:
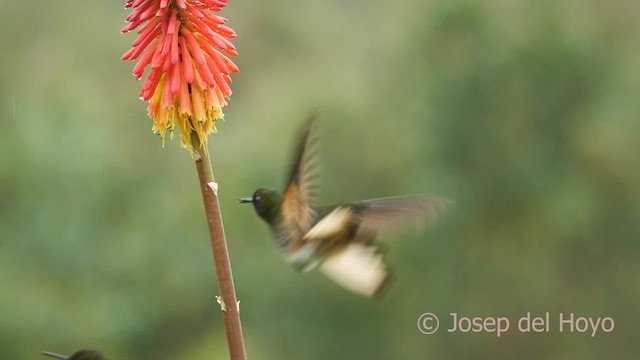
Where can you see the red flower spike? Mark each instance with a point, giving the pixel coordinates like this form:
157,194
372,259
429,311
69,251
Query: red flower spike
182,42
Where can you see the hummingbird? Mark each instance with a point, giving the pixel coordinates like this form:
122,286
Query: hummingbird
339,239
79,355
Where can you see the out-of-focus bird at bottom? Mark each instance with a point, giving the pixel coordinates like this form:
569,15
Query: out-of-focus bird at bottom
339,238
79,355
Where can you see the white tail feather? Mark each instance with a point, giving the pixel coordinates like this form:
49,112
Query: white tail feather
357,268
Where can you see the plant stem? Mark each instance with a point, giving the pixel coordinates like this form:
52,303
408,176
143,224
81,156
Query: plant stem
228,301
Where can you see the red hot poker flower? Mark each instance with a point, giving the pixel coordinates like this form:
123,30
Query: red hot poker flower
189,77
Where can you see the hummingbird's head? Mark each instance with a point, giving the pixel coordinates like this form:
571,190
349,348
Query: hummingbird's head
266,202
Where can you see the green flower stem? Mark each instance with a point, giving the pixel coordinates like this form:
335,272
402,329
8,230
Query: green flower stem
228,300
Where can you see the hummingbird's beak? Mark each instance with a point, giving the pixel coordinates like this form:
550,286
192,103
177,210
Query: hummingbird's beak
54,355
245,200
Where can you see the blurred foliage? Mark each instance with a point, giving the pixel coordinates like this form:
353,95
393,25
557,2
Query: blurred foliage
525,113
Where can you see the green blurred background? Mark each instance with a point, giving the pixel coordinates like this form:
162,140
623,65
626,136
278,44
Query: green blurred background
526,113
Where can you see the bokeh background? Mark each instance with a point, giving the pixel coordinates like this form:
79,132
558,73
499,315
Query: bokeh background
526,113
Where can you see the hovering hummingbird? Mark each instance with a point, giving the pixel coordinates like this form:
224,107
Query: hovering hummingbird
79,355
338,238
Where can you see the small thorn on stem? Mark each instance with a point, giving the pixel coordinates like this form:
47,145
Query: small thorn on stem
223,307
214,186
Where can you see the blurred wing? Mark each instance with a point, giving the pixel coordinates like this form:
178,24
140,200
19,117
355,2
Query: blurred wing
299,196
391,214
